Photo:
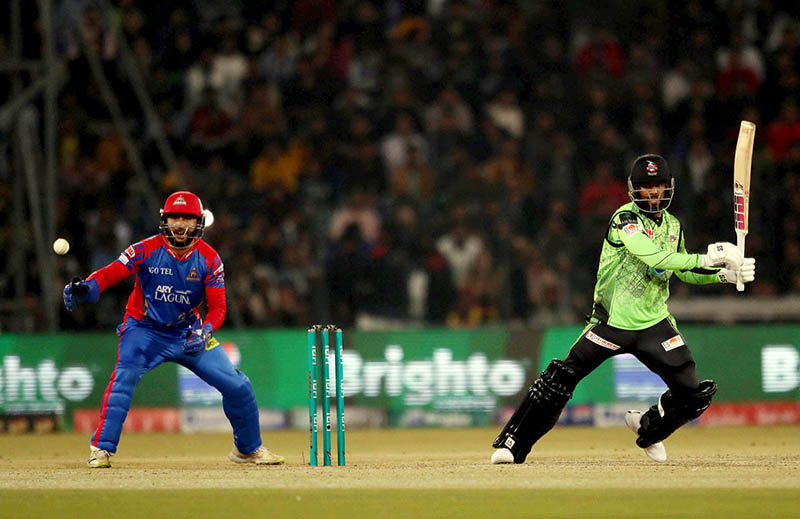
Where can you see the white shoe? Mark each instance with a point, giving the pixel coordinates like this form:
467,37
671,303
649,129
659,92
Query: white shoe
502,456
99,459
657,451
262,456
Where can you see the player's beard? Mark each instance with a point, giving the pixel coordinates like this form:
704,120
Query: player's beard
184,233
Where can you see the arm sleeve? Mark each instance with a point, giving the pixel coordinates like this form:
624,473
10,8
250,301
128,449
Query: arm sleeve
215,293
215,298
110,275
633,237
126,265
699,275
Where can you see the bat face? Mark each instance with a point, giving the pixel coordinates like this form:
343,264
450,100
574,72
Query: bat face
741,175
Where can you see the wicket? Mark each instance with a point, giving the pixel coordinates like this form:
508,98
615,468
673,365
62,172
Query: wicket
324,332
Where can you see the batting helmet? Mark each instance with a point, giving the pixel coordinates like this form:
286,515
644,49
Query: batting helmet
648,170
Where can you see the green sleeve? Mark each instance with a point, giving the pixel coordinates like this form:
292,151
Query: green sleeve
697,276
633,237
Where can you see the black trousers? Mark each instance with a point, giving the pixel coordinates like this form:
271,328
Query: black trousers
661,348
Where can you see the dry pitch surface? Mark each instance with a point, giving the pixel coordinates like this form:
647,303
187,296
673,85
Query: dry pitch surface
573,472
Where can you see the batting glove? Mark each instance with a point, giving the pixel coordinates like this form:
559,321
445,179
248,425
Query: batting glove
722,253
746,273
197,339
79,292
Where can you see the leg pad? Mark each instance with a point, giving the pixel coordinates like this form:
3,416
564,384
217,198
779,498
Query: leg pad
674,411
539,411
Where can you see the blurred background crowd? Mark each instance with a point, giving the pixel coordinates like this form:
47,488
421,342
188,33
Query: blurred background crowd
447,162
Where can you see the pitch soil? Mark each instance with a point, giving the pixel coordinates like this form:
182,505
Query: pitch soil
567,458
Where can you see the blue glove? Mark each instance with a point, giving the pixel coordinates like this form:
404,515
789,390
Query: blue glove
197,339
78,292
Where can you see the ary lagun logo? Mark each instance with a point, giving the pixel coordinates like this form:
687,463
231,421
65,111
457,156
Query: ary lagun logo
166,293
41,388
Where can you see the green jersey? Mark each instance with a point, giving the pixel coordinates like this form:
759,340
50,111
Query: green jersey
640,254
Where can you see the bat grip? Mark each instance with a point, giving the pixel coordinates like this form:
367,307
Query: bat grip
740,235
77,288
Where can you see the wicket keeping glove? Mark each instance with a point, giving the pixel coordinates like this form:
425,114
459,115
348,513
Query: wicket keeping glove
79,292
722,253
197,339
746,273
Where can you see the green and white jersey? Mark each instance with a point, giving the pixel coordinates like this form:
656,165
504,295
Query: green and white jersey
638,259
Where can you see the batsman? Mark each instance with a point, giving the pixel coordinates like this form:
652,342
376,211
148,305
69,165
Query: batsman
643,248
176,271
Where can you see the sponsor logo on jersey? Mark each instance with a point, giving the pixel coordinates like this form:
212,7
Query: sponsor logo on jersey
123,259
631,229
165,293
219,274
130,251
649,232
673,343
626,217
160,270
600,341
193,275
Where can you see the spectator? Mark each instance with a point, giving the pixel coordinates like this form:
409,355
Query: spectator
415,179
278,167
461,247
358,211
396,144
449,104
602,193
784,133
347,275
506,113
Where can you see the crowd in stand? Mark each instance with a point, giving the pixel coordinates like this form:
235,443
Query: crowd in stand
447,162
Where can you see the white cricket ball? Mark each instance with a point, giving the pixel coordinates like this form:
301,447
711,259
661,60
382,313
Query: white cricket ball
61,246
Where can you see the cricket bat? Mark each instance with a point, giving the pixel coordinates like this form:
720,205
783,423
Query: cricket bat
741,185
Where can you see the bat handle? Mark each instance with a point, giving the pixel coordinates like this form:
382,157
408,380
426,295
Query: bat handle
740,235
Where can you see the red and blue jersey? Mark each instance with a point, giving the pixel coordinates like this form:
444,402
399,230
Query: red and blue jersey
169,289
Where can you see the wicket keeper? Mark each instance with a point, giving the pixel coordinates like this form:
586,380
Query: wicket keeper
642,249
176,271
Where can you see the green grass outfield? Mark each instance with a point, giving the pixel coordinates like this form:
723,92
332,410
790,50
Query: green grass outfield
573,472
444,503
